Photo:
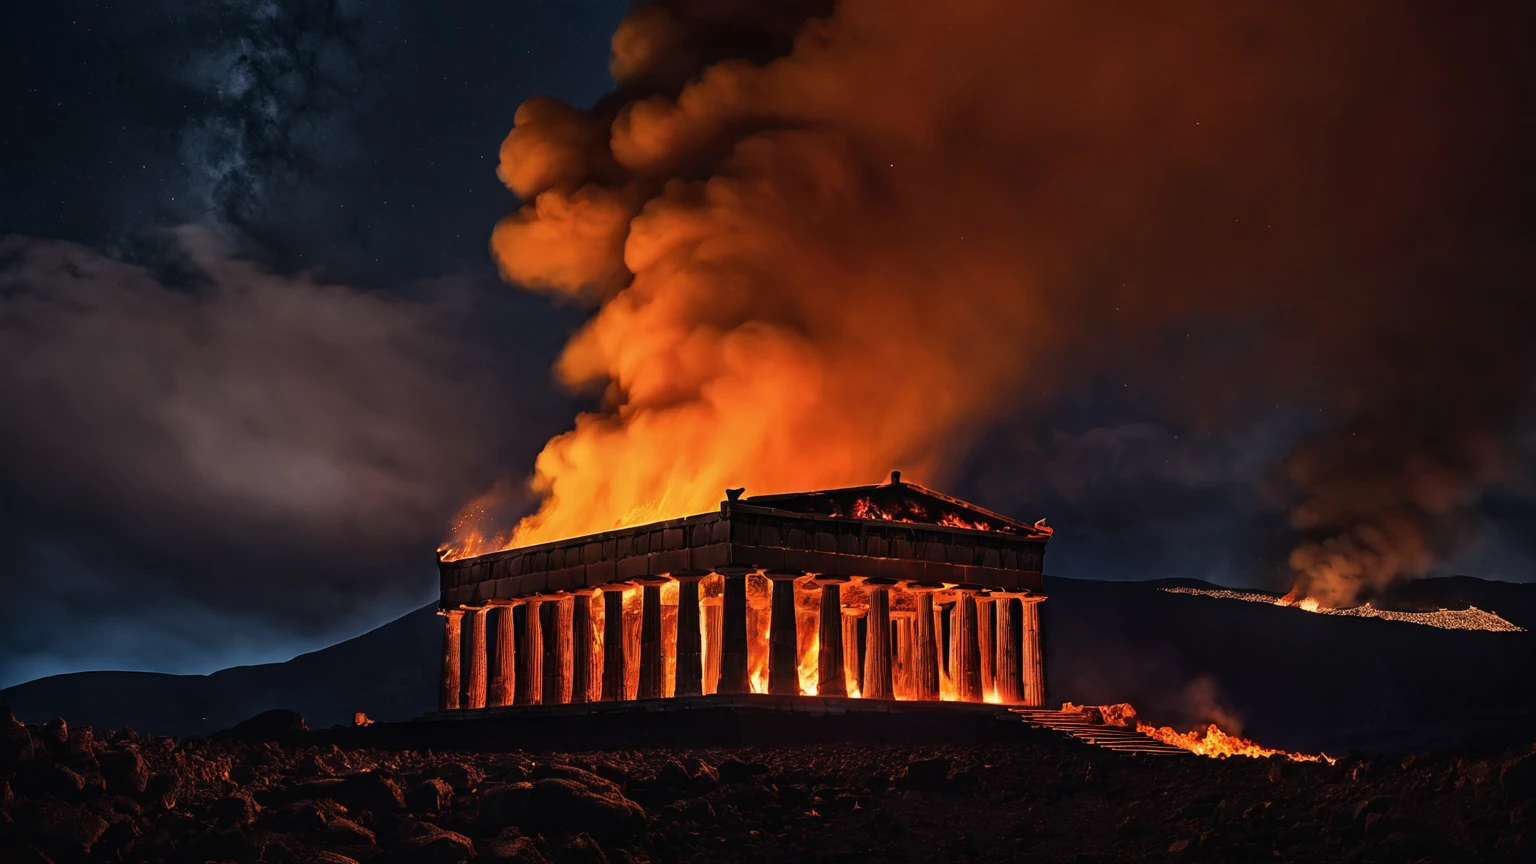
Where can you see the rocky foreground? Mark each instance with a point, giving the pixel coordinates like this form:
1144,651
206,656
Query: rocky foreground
72,794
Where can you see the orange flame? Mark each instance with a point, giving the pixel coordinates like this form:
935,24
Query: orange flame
1219,745
1210,741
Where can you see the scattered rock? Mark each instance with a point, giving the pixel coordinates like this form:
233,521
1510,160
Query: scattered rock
124,770
163,789
429,796
510,847
39,777
510,804
436,847
368,790
462,778
927,775
735,771
565,805
586,778
235,810
63,830
55,735
345,832
1373,807
581,849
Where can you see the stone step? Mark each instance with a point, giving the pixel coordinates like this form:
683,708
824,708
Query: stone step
1119,739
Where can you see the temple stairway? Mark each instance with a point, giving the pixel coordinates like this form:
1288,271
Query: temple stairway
1117,738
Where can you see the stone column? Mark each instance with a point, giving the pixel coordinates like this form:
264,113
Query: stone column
783,654
448,691
552,623
583,659
853,646
733,653
925,653
831,679
714,616
503,673
987,638
967,666
690,661
902,677
474,691
1009,683
877,651
613,642
1031,663
564,609
652,665
530,654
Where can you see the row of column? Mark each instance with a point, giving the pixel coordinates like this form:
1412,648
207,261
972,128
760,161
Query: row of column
542,655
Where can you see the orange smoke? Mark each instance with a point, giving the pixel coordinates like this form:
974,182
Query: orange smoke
822,247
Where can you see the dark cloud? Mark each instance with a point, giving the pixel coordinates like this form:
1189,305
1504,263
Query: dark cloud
240,441
236,440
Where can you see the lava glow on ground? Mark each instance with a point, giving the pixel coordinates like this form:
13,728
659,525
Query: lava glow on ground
1471,618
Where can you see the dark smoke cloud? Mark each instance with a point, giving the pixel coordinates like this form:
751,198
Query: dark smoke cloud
208,435
861,246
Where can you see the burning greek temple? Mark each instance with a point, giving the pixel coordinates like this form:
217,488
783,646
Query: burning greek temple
881,592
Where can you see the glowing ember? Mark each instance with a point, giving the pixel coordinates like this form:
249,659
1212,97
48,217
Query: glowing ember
1210,741
867,509
911,512
1471,618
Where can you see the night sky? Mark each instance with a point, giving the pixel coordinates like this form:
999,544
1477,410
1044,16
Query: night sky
254,353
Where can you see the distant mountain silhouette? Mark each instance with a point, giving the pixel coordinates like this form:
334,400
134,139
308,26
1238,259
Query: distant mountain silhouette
389,673
1292,679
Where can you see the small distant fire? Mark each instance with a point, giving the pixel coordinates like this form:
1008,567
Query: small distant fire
1210,741
1471,618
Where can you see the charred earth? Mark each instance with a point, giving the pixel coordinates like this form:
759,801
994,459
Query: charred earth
74,794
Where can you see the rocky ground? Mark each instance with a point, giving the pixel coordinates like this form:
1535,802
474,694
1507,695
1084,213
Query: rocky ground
73,794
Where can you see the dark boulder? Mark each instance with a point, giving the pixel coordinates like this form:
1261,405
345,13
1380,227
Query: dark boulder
164,790
581,849
370,791
345,832
511,847
927,775
16,742
558,771
62,830
461,778
124,770
55,736
565,805
429,796
46,777
435,847
511,804
735,771
235,810
274,725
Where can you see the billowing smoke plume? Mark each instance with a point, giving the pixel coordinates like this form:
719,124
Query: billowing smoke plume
829,240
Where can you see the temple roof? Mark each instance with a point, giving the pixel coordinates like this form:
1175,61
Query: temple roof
893,531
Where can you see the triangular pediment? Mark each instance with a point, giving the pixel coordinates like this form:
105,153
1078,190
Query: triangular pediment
898,501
